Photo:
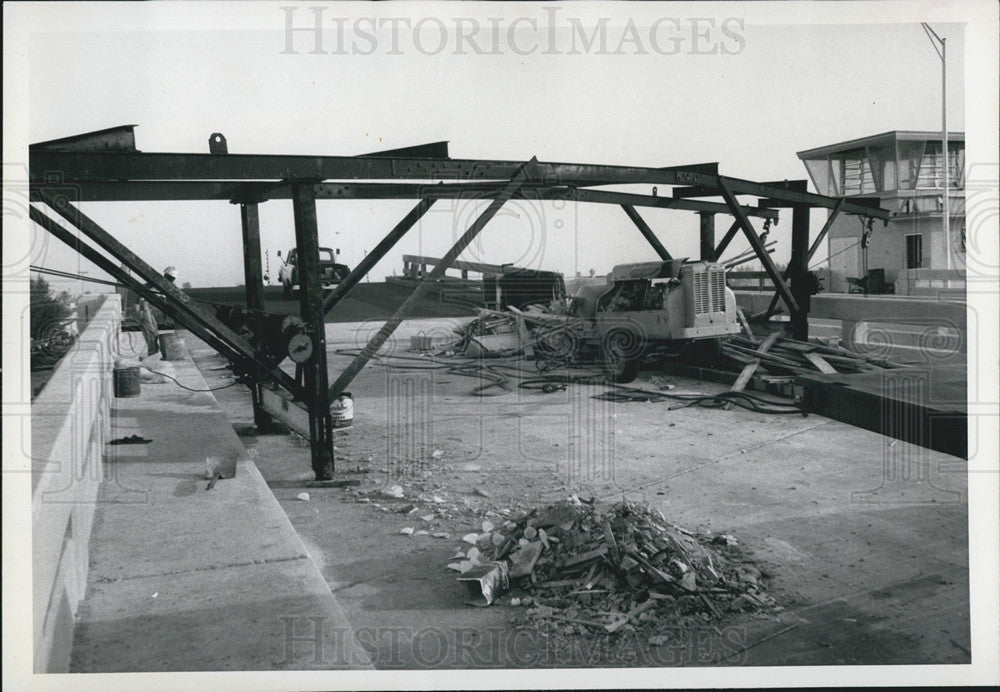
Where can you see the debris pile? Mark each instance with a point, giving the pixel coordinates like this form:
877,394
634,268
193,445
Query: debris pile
615,567
512,331
784,355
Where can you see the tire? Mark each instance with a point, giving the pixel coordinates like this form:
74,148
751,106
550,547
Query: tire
621,350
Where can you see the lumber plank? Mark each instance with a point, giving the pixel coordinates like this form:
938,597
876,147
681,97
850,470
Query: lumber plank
821,365
750,368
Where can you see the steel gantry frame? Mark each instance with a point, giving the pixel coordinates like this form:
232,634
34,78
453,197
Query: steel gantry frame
106,166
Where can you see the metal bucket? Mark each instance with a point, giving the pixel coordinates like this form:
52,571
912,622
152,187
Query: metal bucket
342,411
420,342
126,378
172,347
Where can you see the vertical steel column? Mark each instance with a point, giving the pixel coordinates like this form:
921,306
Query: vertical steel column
254,282
707,231
311,297
798,268
647,232
428,280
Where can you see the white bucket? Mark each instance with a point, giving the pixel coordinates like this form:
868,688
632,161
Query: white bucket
342,411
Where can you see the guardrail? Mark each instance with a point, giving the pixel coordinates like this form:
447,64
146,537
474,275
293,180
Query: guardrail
70,422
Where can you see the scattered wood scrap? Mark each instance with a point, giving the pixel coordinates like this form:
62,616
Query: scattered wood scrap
779,355
620,567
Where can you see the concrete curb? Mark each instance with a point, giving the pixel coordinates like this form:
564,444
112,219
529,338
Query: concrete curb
190,575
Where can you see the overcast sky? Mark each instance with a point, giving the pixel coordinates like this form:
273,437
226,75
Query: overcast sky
767,92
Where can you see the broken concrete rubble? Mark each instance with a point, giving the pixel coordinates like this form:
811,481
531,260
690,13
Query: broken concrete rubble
617,567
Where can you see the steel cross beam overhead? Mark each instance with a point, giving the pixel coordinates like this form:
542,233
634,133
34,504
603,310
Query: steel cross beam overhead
241,192
88,167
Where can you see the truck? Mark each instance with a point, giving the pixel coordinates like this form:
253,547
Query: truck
650,307
331,272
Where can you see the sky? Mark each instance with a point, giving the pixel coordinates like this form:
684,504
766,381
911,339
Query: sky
769,91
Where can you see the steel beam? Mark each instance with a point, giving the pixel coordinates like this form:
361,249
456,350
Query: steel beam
706,231
433,150
254,283
762,254
80,167
311,299
123,277
375,343
726,239
647,232
812,251
240,192
710,191
798,267
177,299
373,257
613,197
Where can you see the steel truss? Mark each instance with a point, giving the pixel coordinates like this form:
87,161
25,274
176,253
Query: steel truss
105,166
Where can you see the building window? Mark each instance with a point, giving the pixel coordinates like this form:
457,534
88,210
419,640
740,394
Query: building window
914,251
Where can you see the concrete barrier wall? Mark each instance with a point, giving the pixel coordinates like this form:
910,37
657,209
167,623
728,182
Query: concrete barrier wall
931,282
70,422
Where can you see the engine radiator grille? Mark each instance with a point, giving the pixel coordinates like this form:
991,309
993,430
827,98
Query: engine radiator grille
709,291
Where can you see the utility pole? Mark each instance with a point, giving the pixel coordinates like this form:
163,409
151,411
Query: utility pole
940,47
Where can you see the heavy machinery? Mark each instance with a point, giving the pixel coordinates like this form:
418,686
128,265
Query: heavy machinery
649,307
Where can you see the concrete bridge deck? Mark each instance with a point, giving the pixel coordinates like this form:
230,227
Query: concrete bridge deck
187,577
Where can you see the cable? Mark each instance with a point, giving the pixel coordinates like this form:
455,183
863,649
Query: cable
191,389
70,275
839,252
494,373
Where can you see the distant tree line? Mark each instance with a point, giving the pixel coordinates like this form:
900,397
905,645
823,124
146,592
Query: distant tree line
49,338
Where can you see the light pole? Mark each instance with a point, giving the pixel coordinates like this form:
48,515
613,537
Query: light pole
941,49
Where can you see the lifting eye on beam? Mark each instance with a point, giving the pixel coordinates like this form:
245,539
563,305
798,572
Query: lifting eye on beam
217,144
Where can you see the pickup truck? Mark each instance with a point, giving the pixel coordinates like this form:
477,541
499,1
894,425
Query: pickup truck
331,273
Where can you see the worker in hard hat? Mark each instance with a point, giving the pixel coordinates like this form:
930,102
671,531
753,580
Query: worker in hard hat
170,273
152,318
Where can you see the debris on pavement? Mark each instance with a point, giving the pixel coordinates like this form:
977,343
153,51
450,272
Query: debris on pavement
302,496
615,567
483,583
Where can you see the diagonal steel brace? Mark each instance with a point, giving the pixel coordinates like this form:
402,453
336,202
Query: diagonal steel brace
647,232
106,265
178,302
726,239
372,258
758,247
812,251
375,343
